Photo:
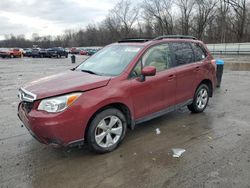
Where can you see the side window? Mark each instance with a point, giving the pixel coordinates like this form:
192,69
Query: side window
199,52
158,56
183,53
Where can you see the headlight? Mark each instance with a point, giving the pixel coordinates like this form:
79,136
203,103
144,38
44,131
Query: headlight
58,104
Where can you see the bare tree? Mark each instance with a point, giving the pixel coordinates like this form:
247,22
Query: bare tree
210,20
113,26
222,17
126,15
240,9
205,10
36,37
186,7
160,11
69,38
148,29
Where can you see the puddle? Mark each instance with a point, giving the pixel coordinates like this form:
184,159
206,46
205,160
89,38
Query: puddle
237,66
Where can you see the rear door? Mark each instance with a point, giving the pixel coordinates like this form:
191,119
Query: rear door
185,67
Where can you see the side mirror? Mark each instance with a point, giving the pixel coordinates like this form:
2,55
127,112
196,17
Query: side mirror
147,71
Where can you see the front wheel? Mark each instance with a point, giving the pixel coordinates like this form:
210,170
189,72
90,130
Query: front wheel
106,131
200,100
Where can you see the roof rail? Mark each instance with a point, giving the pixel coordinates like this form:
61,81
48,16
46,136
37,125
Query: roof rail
175,37
134,40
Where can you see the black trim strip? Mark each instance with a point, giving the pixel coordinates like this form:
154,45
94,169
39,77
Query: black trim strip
163,112
76,143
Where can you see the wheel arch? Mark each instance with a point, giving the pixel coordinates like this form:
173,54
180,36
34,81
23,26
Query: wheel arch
118,105
208,82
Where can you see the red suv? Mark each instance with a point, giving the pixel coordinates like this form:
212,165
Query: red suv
126,83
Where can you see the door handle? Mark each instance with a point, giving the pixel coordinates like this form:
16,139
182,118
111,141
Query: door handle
197,69
171,77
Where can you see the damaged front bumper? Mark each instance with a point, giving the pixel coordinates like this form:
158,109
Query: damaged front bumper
50,129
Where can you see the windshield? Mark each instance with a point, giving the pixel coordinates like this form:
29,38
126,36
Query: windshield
111,60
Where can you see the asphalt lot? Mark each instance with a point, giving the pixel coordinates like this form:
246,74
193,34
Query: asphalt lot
217,142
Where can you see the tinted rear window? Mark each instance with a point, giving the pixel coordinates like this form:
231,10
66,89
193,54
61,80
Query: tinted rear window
183,53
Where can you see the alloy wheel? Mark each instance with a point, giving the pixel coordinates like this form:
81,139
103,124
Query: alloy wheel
108,131
202,98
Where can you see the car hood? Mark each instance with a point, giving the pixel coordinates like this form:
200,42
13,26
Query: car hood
65,82
4,51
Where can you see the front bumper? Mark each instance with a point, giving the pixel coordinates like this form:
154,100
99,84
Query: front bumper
4,55
59,129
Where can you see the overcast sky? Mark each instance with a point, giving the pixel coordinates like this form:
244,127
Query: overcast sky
50,17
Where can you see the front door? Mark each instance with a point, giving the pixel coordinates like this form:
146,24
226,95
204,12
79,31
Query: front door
157,92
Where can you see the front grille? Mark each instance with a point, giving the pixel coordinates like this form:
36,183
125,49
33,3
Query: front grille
27,106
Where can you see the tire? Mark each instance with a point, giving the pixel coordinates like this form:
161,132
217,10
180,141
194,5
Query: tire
200,99
101,130
11,56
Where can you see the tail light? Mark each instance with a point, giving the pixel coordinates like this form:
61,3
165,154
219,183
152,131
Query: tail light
213,62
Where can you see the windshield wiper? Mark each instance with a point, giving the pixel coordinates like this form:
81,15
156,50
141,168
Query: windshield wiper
89,71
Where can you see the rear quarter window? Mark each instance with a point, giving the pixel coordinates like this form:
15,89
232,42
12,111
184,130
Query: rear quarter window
199,52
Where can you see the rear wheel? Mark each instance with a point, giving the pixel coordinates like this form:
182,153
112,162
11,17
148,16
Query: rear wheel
200,100
106,131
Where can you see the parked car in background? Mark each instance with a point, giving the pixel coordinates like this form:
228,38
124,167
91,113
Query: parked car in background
16,52
35,52
43,53
27,52
10,53
5,52
83,52
75,50
57,52
38,52
124,84
67,50
91,51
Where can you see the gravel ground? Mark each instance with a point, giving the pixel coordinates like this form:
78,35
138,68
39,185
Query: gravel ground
217,142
